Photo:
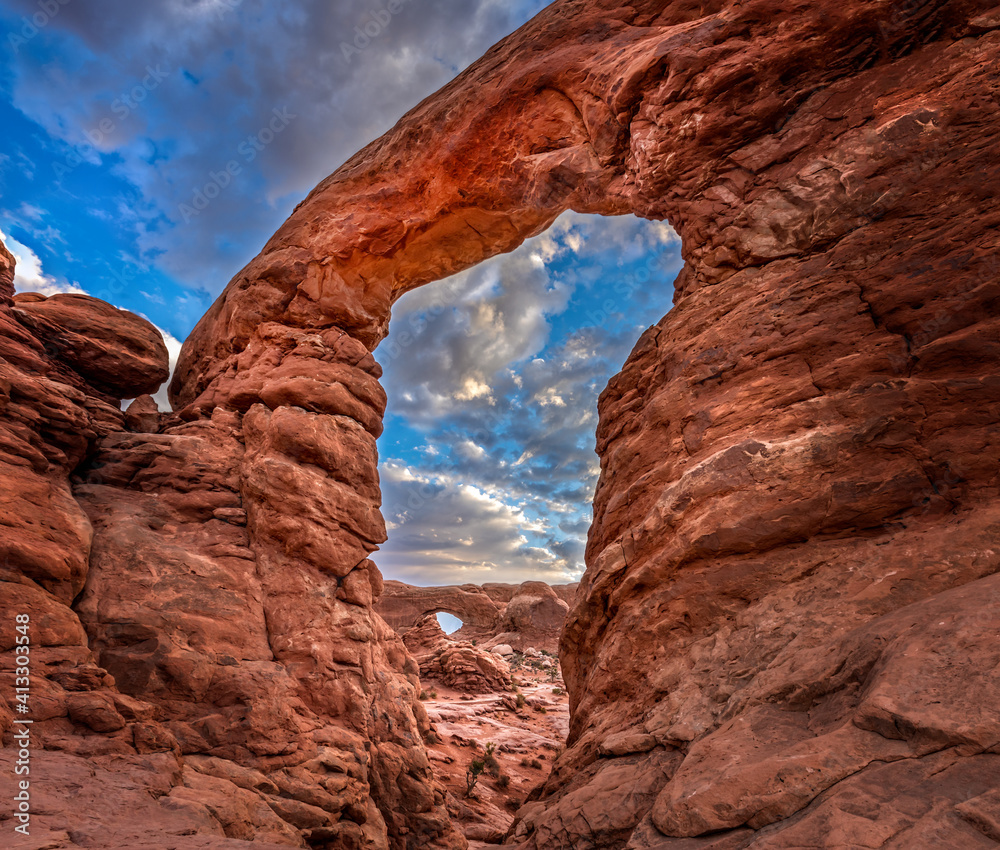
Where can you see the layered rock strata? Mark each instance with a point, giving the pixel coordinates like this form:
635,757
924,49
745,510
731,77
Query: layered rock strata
211,662
798,503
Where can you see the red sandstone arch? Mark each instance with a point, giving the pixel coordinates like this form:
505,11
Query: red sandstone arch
810,156
402,606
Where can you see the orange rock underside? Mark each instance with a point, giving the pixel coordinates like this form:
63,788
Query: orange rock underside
786,635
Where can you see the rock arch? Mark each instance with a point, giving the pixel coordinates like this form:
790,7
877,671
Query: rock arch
403,606
787,436
531,614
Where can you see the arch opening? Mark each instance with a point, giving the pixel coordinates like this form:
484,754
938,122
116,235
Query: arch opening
449,622
487,464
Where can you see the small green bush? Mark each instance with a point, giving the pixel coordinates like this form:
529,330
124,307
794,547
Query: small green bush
490,760
472,774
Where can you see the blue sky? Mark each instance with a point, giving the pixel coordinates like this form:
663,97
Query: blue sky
119,119
488,457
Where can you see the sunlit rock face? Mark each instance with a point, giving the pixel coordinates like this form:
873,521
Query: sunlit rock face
203,667
786,635
6,274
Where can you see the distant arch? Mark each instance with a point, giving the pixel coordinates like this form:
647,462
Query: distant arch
403,606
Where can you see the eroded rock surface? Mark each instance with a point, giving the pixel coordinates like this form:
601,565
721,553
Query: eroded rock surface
523,730
786,635
534,617
124,357
461,665
205,657
7,265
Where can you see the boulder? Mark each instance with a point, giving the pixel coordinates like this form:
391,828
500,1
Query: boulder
467,668
113,349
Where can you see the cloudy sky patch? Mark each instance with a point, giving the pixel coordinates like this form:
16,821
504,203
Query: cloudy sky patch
493,377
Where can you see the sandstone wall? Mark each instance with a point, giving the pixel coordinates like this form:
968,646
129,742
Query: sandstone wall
531,614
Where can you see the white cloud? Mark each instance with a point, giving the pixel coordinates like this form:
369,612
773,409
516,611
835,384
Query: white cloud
470,451
28,274
509,406
215,84
173,349
30,212
446,530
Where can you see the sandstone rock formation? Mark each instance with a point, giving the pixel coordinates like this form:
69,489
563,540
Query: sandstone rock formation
786,635
425,638
530,614
404,606
798,500
7,264
467,668
534,617
458,664
121,358
205,658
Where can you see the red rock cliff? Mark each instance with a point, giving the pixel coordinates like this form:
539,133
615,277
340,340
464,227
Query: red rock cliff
202,674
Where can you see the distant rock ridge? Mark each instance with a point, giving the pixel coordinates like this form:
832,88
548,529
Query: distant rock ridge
786,633
530,614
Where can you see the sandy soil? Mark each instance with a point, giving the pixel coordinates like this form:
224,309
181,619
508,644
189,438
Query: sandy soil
525,739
